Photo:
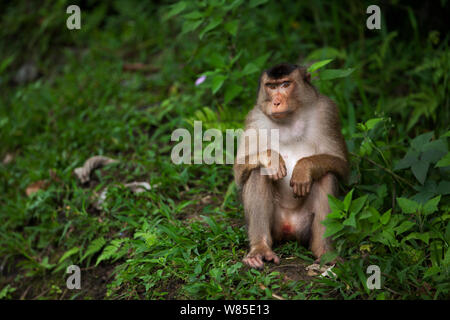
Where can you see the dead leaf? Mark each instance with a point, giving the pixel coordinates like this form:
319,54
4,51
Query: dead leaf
135,187
83,173
35,187
315,269
138,187
9,157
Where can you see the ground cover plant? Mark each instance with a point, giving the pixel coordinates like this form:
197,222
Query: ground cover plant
136,71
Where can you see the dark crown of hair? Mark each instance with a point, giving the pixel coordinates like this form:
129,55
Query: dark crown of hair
281,70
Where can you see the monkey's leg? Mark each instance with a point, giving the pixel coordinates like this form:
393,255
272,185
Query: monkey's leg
320,190
258,202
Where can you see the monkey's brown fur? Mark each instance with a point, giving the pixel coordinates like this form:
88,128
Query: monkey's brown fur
290,202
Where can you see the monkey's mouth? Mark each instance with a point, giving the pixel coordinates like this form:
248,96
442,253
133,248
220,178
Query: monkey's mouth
280,115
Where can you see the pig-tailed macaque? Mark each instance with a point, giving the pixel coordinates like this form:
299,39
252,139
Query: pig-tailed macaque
285,184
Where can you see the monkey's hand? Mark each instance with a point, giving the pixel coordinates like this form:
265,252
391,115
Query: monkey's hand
257,254
275,172
301,180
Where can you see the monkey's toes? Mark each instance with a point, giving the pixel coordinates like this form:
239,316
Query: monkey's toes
271,256
255,260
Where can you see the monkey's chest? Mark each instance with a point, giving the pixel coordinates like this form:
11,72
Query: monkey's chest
291,153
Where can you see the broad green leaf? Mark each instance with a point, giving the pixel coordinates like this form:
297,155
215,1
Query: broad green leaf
407,205
375,215
384,219
332,228
194,15
404,226
255,3
447,232
348,200
232,92
5,63
217,60
235,58
434,150
350,221
217,83
431,271
425,237
325,53
420,141
233,5
330,74
261,60
328,257
431,205
190,25
411,157
212,25
249,69
443,187
420,169
365,214
176,9
370,124
232,27
445,161
319,65
335,204
358,204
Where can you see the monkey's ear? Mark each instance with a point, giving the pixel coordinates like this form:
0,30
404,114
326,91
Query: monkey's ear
307,77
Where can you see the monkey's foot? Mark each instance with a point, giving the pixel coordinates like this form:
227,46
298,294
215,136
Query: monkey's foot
256,256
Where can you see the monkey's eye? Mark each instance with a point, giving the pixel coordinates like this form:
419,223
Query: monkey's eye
285,84
271,86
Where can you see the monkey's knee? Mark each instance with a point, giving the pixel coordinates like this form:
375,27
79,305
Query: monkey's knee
257,186
328,184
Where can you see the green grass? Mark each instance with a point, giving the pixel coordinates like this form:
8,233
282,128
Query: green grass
186,237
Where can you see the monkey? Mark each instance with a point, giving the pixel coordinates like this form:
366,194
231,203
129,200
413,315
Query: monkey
291,201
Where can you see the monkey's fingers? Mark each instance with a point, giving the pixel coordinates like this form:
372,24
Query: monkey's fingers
281,173
303,189
306,188
283,170
295,189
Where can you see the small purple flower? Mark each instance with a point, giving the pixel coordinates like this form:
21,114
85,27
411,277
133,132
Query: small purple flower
200,80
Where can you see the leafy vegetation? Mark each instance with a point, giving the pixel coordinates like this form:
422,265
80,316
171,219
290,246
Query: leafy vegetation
123,83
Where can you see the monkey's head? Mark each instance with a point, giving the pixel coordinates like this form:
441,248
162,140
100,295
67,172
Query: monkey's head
283,89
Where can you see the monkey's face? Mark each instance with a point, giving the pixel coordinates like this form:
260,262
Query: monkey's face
279,95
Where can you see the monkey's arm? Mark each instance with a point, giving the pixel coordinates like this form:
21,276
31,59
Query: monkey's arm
243,167
312,168
321,164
